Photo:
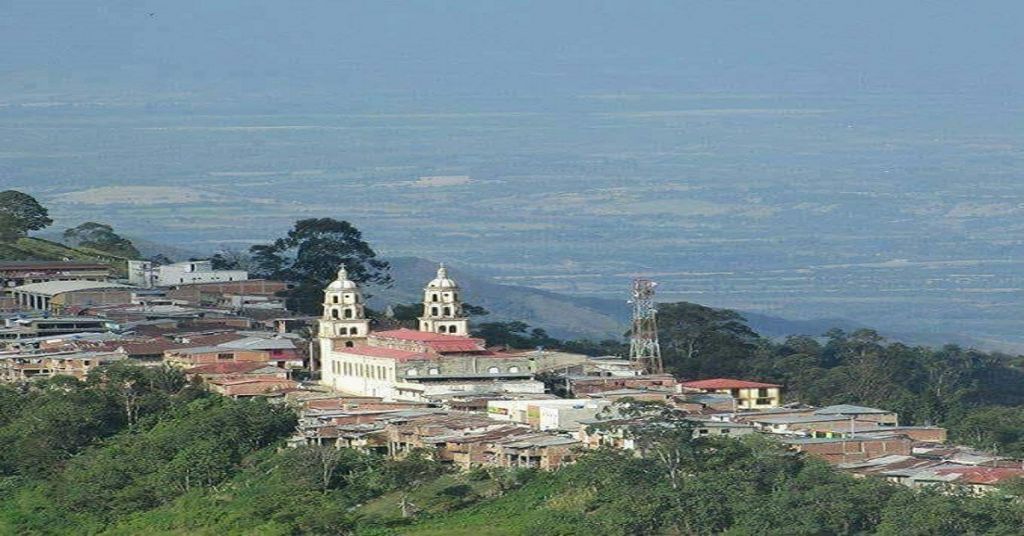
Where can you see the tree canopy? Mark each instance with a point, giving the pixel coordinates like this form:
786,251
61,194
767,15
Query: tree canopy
20,213
309,256
102,237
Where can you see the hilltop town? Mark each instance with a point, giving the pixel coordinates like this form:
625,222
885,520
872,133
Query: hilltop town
419,380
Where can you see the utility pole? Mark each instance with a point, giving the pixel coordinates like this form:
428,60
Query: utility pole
644,350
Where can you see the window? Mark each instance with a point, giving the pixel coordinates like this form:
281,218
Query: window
334,314
349,344
433,371
225,357
412,372
334,299
433,311
493,370
724,431
447,311
762,393
348,313
433,297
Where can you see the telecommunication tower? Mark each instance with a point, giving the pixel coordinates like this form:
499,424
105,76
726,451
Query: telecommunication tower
644,350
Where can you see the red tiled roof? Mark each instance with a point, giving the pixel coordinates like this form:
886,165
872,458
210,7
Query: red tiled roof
455,346
726,383
377,351
982,475
422,336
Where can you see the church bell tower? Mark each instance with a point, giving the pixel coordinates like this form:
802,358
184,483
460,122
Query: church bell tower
344,317
442,306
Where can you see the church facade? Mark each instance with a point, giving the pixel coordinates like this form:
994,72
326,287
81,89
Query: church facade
405,364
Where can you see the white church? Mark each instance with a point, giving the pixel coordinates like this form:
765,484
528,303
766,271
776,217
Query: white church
405,364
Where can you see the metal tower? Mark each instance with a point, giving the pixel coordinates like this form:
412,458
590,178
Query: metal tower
644,350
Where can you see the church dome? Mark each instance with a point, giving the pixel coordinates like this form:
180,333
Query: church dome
342,282
442,280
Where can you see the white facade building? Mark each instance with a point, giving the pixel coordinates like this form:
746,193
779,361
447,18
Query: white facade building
406,364
186,273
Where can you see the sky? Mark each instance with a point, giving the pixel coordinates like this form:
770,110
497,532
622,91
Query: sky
315,47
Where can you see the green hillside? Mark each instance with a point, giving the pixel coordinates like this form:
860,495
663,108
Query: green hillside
38,249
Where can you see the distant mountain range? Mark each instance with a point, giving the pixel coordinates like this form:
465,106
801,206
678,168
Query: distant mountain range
579,317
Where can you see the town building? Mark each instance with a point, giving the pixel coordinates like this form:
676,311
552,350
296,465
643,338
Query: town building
405,364
748,395
278,351
145,274
26,366
57,296
18,273
547,414
19,329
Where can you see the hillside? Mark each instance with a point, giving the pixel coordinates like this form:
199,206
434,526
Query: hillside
577,317
39,249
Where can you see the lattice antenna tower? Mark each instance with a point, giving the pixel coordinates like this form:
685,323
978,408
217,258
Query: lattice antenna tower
644,350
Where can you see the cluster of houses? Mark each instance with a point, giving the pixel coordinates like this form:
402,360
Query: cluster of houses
231,332
395,390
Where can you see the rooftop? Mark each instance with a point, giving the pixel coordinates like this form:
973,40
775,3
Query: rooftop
51,265
422,336
377,351
726,383
52,288
849,409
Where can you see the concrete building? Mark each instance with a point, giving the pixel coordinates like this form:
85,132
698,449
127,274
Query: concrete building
28,328
17,273
56,296
547,414
144,274
35,365
748,395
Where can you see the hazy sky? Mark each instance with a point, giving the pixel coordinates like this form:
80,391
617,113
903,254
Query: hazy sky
324,46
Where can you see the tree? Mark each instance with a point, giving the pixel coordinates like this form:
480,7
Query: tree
698,340
230,259
309,257
659,432
102,237
20,213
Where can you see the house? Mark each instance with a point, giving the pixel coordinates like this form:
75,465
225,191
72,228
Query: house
587,385
28,328
144,274
18,273
26,366
56,296
277,351
547,414
249,387
852,449
748,395
861,413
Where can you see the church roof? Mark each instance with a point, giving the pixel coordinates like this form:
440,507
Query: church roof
421,336
342,282
377,351
438,342
442,281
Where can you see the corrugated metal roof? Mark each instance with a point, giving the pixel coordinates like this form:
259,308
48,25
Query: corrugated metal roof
52,288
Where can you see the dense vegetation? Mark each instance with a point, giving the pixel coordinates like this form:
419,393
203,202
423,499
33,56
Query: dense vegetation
140,451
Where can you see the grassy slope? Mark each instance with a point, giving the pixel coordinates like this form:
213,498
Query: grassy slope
38,249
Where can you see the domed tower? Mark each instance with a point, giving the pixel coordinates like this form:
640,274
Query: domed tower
442,306
344,315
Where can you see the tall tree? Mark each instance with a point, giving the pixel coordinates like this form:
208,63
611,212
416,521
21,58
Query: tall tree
21,213
102,237
309,257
